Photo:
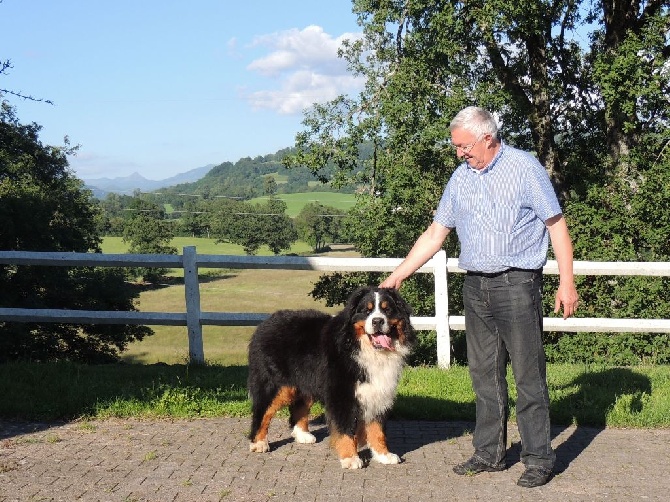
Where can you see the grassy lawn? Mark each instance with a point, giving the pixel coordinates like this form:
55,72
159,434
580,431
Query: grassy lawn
580,395
248,290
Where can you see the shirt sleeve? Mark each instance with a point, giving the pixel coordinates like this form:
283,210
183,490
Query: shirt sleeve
445,209
541,193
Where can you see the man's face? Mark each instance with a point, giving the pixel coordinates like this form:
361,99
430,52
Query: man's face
473,149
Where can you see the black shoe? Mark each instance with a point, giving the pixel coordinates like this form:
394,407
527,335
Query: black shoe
474,466
533,476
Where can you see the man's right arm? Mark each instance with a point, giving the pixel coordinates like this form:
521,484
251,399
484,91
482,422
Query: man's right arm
428,243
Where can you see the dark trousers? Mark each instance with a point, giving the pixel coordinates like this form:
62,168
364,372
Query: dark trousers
503,317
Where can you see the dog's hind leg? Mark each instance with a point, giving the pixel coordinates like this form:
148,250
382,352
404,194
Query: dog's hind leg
361,435
300,419
264,409
260,422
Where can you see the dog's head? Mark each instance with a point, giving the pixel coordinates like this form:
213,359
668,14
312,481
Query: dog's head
381,317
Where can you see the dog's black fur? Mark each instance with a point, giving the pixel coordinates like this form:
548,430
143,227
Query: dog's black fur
350,362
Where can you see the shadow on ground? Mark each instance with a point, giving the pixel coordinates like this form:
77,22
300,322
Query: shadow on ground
596,395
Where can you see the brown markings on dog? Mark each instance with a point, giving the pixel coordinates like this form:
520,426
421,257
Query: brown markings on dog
399,326
284,397
359,329
345,446
300,414
361,438
371,434
376,438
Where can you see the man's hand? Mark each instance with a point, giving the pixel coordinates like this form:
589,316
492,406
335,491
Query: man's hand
391,282
567,298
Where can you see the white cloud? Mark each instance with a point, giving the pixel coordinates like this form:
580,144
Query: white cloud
232,48
303,68
88,165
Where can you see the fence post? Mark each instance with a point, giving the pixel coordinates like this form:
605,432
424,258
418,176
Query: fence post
442,309
192,291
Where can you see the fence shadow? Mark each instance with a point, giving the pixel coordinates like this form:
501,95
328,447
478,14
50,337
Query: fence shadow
166,282
596,395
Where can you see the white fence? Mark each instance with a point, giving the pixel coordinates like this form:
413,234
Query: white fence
194,318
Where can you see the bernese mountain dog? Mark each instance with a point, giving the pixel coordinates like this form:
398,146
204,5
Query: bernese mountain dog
350,362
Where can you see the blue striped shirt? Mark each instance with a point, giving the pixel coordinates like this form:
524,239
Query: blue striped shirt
499,212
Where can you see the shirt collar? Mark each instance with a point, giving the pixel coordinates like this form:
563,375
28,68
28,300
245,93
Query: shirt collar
491,164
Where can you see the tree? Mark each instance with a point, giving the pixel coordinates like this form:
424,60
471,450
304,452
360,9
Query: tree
277,228
253,225
269,185
317,223
583,86
424,61
44,208
148,232
7,65
630,65
192,221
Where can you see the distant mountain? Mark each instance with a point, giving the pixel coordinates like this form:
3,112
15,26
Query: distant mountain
128,184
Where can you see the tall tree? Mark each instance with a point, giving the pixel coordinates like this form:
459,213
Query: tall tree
317,223
147,231
192,221
44,208
530,63
253,225
276,226
630,56
585,86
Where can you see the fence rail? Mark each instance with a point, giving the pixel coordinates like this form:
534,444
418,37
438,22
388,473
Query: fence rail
193,318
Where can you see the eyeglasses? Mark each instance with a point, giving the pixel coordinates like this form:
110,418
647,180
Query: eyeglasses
466,148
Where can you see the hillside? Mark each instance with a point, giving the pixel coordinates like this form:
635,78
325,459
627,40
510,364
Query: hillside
129,184
247,178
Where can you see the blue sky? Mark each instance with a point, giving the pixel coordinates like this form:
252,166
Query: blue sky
162,87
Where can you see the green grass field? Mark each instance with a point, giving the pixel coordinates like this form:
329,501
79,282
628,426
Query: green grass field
228,291
221,290
203,246
296,201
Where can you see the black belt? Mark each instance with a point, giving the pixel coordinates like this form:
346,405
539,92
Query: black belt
498,274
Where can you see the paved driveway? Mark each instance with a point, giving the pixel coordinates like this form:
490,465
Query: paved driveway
208,460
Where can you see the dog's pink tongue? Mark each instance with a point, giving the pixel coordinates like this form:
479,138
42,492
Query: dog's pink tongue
383,341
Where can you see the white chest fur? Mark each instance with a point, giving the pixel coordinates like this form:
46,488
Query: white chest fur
376,395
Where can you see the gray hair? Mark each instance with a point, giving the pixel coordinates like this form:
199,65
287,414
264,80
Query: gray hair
475,120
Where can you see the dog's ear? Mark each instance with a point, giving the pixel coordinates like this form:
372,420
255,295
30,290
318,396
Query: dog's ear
400,302
355,298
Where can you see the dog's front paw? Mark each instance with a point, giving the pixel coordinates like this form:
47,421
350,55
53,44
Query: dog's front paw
303,437
354,462
385,458
260,446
